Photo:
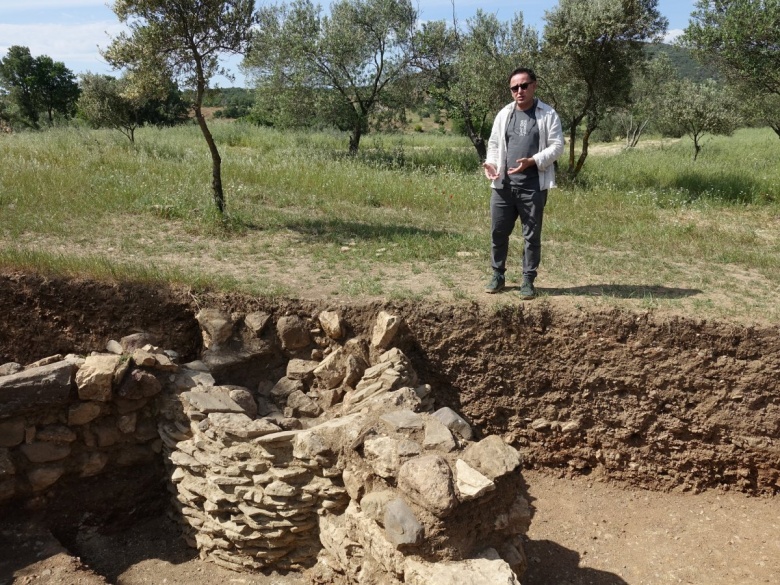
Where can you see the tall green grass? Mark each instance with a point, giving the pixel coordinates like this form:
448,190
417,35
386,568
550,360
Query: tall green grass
650,217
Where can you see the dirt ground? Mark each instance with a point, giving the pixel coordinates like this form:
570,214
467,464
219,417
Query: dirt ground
672,400
582,533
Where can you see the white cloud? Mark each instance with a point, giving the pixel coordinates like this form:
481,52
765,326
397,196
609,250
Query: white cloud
27,5
673,35
62,42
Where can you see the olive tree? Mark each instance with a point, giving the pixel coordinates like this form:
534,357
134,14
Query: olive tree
699,109
354,54
181,40
649,83
742,39
589,51
108,102
465,71
759,109
103,105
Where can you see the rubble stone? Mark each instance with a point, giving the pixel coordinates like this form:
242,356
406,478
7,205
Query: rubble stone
330,321
492,457
293,332
384,331
94,378
454,422
401,526
427,479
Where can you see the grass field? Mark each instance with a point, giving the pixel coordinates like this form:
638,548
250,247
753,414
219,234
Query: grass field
408,218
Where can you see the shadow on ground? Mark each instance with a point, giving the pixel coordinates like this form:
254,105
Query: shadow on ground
621,291
550,563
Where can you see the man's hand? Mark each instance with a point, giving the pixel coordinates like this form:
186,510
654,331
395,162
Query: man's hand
522,164
490,171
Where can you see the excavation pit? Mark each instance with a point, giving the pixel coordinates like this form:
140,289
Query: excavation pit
665,405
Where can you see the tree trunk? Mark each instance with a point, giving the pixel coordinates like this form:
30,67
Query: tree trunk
354,139
696,148
476,138
216,162
632,138
583,154
572,144
776,128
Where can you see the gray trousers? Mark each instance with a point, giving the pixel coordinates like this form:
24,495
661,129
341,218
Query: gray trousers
506,205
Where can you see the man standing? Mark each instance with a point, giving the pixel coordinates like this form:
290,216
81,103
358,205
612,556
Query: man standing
525,142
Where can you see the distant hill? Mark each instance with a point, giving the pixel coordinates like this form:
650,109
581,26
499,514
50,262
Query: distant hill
686,65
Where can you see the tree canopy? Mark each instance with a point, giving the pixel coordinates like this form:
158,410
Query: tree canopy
465,71
38,85
742,39
351,56
181,40
108,102
698,109
590,48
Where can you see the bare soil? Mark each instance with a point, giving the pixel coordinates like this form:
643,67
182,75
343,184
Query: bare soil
582,533
669,475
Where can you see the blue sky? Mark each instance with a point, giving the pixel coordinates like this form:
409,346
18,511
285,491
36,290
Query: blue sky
72,30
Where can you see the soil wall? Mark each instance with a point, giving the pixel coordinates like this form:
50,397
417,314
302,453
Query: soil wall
659,403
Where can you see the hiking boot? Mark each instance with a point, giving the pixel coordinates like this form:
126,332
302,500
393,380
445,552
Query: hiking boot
527,290
496,284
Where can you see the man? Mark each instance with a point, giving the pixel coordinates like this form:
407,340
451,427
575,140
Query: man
525,142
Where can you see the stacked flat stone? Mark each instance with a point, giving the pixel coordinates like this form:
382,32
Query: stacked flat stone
75,416
367,482
247,499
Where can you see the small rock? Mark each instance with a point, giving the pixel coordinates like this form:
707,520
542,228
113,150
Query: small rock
401,526
454,422
331,324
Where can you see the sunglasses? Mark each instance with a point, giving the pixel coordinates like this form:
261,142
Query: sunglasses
519,86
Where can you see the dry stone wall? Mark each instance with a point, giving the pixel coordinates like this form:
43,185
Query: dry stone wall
340,465
287,447
74,416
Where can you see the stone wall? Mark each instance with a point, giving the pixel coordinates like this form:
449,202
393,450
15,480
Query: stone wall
72,416
287,447
339,465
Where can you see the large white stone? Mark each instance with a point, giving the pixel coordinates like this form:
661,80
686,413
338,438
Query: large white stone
470,571
95,377
471,483
385,329
427,481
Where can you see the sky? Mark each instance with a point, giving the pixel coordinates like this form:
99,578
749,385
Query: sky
73,31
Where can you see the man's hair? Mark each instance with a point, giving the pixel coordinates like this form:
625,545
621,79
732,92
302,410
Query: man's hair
526,70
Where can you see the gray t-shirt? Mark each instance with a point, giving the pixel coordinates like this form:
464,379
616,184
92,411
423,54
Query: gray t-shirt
522,141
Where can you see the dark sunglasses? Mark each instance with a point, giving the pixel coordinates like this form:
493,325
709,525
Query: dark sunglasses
519,86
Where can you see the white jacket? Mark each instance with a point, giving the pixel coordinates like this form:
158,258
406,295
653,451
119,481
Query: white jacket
550,144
